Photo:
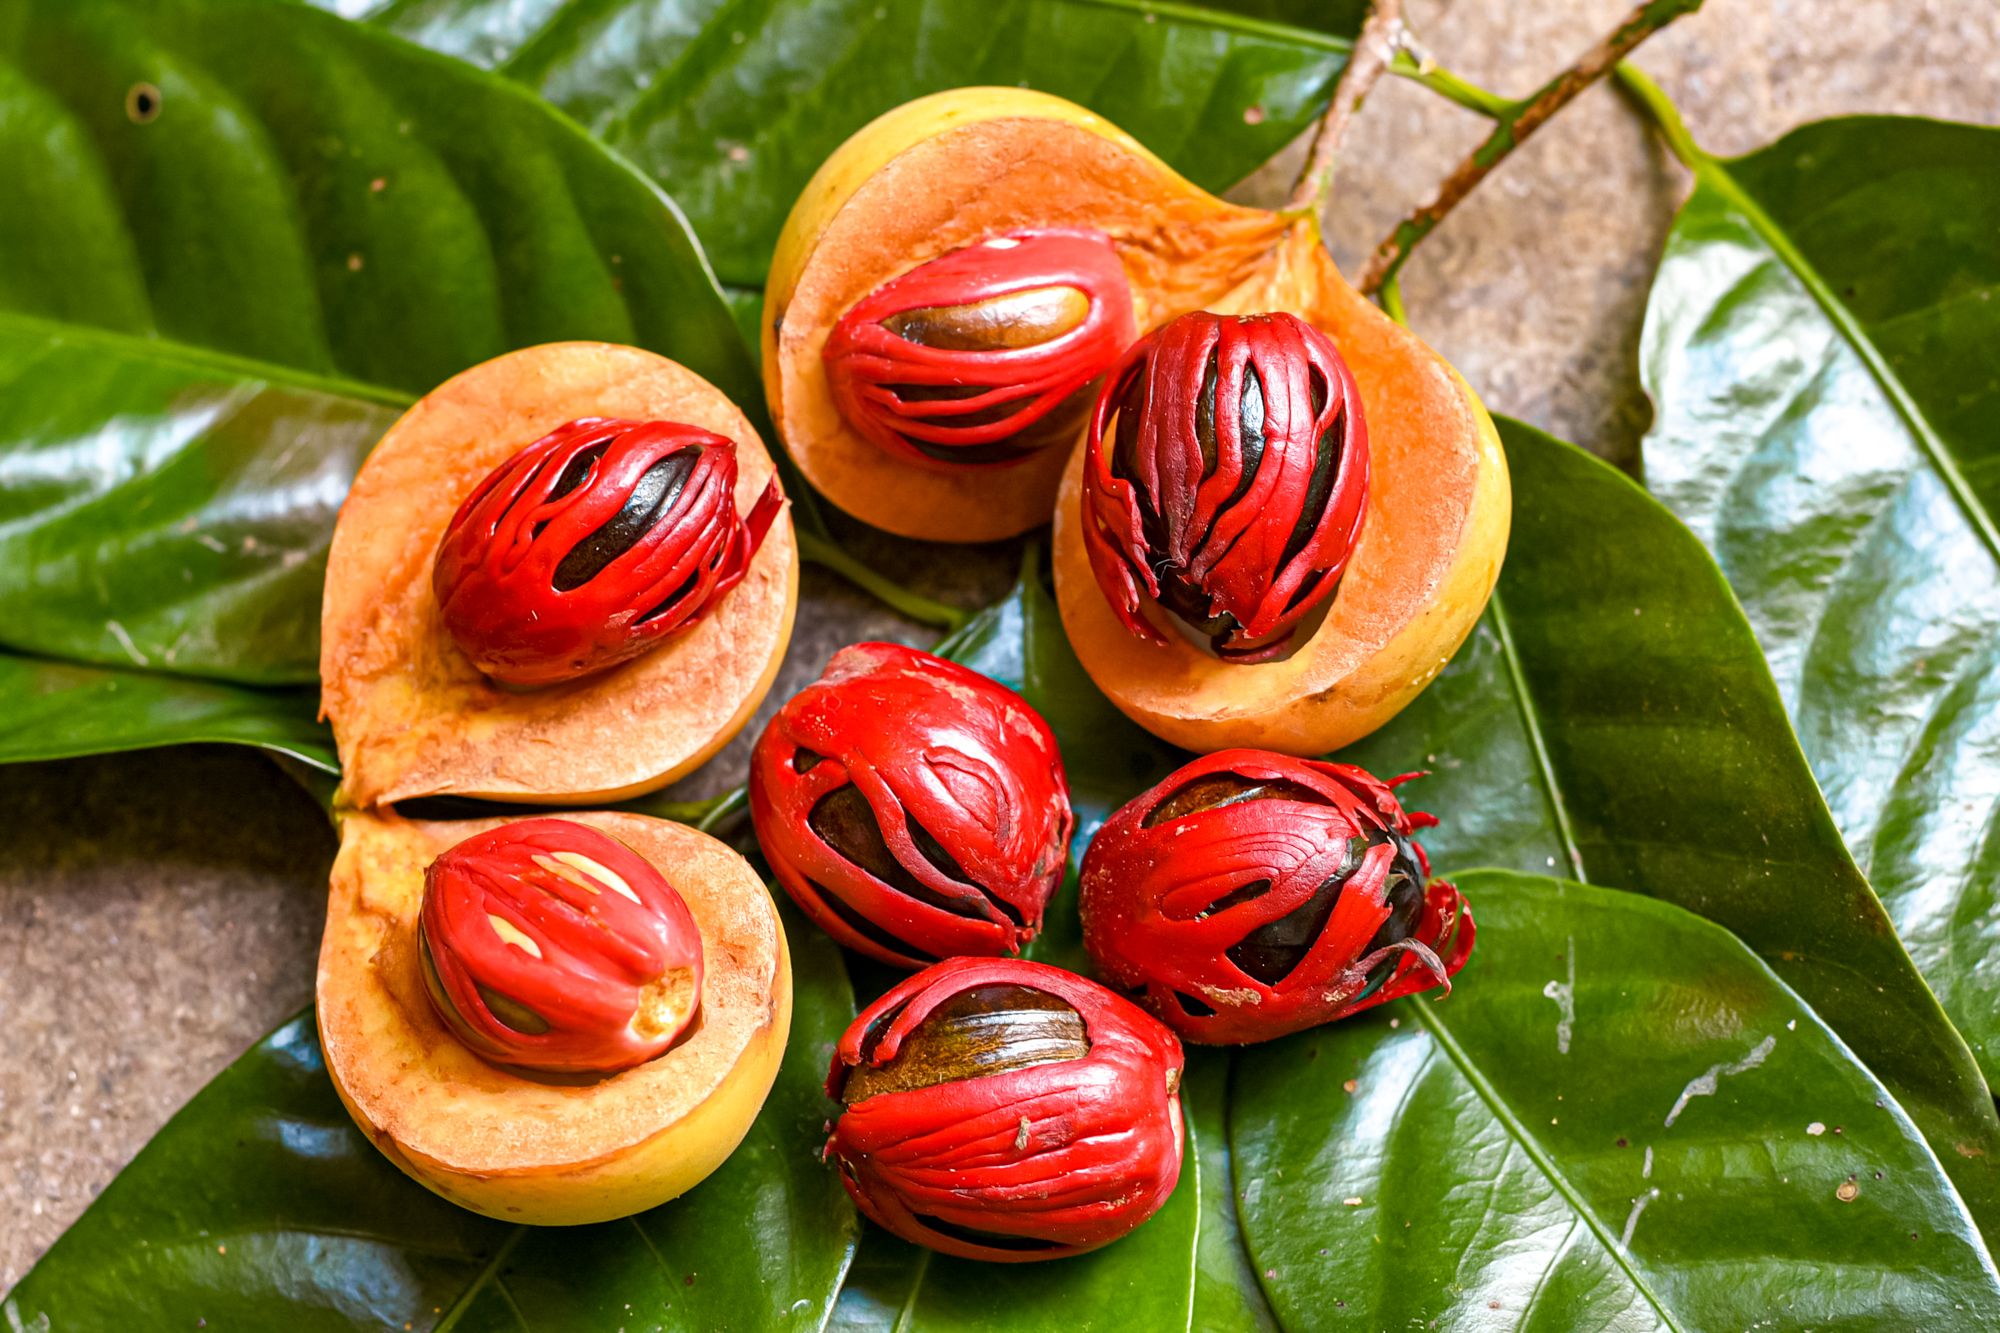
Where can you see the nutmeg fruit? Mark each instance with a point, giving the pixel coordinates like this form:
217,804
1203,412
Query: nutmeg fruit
1005,1110
986,354
912,807
929,184
547,944
1249,895
592,545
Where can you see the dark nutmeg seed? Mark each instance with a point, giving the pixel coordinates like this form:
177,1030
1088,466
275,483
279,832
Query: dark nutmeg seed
1017,319
1226,480
592,545
987,354
977,1033
1252,894
915,809
651,498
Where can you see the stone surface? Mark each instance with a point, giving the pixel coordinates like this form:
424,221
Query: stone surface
159,912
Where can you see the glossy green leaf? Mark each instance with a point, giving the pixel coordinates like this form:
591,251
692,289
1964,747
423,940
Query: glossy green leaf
260,1206
59,710
1612,720
243,235
734,108
1820,347
1620,1119
1227,1295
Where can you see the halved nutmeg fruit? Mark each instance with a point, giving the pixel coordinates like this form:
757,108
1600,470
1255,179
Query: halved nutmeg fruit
565,576
1246,664
516,1012
950,284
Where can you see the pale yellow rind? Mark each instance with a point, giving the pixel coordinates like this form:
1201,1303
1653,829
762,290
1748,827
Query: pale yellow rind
413,717
506,1144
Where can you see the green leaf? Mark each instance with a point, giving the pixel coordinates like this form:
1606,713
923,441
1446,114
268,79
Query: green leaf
243,235
59,710
1612,720
735,108
261,1206
1227,1295
1820,348
1620,1119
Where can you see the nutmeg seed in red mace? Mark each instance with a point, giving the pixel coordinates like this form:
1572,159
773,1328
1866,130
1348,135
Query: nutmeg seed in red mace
549,945
1225,480
1006,1110
1251,894
913,808
592,545
986,354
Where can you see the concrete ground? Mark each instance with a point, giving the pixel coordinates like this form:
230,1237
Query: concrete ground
159,912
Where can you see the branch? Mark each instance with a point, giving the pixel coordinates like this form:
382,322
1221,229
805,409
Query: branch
1380,39
1514,129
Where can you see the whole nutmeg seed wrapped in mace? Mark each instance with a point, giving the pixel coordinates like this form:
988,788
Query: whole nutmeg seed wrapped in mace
592,545
548,945
1251,894
915,809
986,354
1225,480
1006,1110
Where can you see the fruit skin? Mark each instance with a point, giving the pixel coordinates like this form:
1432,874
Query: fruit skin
1170,906
411,713
538,1149
942,755
567,932
1432,542
544,576
948,171
992,403
1066,1156
1230,488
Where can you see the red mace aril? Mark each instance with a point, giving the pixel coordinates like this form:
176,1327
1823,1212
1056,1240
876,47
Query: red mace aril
1252,894
592,545
1006,1110
1226,478
915,809
548,945
986,354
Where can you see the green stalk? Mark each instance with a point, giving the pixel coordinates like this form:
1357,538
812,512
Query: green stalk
1515,125
817,550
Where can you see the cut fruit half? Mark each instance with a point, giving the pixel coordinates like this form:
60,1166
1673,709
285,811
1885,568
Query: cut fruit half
411,714
552,1150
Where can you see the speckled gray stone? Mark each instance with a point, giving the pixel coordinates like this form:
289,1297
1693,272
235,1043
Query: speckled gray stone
159,912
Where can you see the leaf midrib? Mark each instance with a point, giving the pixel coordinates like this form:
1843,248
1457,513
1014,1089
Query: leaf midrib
1518,1132
194,357
1714,173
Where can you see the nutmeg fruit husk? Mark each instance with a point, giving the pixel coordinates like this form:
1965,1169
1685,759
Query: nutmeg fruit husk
546,1149
412,716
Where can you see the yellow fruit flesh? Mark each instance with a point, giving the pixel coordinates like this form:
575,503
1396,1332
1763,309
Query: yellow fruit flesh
512,1146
